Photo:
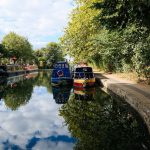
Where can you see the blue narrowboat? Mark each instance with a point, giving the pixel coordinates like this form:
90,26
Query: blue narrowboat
61,74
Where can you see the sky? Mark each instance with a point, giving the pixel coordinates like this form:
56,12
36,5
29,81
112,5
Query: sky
41,21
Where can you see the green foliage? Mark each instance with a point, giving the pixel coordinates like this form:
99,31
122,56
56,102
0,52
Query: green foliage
1,50
129,20
112,35
53,53
76,40
50,54
118,14
16,45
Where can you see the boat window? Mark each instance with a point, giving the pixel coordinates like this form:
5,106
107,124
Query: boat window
77,75
81,75
89,75
59,65
66,66
79,69
87,69
55,66
62,66
84,69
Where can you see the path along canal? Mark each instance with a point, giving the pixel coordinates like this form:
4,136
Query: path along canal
33,115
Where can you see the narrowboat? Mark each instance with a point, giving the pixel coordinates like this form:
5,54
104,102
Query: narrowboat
61,74
83,77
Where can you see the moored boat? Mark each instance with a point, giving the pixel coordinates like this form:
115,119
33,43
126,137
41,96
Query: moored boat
61,74
83,77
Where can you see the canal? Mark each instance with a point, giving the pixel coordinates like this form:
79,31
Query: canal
35,115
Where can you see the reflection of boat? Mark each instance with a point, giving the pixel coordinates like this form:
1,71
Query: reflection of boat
61,94
61,74
83,77
84,94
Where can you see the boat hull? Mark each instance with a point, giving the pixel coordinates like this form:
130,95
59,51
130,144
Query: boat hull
84,82
61,81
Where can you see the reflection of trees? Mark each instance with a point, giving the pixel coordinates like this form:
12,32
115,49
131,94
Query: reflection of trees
18,94
43,79
104,124
3,84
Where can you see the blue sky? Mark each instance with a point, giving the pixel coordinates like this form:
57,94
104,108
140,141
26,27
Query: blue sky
41,21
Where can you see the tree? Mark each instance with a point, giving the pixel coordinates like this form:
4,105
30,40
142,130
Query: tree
16,45
118,14
49,55
82,27
112,35
53,53
130,21
1,49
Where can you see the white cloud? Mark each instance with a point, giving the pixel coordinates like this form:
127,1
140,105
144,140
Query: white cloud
40,114
39,20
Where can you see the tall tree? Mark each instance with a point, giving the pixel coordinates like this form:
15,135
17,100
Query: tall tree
129,20
81,28
53,53
16,45
113,35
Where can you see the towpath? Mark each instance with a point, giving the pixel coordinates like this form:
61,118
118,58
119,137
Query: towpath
137,95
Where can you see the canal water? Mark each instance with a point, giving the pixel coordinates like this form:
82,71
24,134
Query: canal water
36,116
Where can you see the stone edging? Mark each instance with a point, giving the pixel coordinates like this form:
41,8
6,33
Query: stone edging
138,101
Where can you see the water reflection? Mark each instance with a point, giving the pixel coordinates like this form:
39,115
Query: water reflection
3,82
84,93
17,91
61,94
34,122
43,79
92,117
104,123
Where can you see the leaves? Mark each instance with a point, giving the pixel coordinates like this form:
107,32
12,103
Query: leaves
16,45
112,35
50,54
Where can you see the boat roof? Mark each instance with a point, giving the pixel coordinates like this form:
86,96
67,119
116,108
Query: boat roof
83,67
62,62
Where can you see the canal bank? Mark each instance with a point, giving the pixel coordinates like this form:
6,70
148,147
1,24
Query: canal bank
138,96
21,72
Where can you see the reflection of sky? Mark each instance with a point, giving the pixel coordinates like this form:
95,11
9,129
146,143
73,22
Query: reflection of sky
36,125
